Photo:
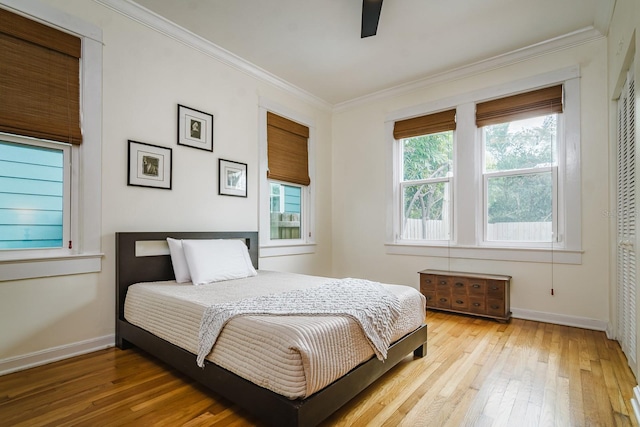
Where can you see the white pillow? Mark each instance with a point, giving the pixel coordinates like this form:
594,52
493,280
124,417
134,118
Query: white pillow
178,260
217,260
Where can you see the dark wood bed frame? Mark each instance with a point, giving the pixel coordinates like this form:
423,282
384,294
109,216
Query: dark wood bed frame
271,408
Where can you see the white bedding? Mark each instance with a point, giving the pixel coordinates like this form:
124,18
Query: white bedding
294,356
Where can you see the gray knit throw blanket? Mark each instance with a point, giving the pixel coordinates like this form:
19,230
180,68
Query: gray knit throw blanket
372,306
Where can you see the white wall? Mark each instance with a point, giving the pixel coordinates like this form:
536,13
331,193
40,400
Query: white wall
359,215
146,74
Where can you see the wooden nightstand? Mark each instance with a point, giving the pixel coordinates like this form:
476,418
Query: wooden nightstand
470,293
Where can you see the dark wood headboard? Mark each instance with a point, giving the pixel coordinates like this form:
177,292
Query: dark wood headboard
133,267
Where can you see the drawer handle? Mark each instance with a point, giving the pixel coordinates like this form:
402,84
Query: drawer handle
476,304
428,280
495,307
443,300
459,285
429,298
475,285
459,301
494,288
443,282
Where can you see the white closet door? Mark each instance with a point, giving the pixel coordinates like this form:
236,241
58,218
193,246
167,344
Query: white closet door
626,222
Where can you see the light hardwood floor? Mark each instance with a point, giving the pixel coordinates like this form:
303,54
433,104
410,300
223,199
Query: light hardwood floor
477,373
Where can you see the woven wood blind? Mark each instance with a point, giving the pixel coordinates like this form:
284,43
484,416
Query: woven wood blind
287,151
517,107
424,125
39,80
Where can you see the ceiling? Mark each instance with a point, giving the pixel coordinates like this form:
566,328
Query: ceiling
316,45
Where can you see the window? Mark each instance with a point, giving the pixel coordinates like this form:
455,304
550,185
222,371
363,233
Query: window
34,195
50,204
520,180
426,186
520,140
286,185
286,211
426,146
505,175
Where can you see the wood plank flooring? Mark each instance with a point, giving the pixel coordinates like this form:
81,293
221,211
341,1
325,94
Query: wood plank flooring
477,373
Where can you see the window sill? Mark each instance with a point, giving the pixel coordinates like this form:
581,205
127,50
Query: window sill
559,256
287,249
48,266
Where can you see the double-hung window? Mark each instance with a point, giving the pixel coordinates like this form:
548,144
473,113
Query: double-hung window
50,153
520,166
426,146
500,171
286,224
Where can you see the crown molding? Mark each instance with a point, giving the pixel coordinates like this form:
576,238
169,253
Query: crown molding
162,25
567,41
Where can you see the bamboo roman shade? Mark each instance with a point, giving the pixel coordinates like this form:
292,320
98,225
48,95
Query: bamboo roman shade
287,152
517,107
39,80
424,125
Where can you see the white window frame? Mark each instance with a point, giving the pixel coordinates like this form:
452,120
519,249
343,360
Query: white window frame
468,239
86,162
280,247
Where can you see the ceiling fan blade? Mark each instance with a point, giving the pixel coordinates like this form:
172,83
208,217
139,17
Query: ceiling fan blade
370,17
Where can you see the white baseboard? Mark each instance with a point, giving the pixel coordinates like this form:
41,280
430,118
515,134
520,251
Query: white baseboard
19,363
561,319
635,402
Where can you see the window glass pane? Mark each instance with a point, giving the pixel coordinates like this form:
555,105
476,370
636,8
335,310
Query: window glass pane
427,156
427,211
521,144
31,196
520,208
286,210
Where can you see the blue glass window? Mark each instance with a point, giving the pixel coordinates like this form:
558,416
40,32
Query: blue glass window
31,196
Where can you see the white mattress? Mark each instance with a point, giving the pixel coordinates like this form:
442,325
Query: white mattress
294,356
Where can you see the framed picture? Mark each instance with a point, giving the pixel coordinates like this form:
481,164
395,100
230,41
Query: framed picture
195,128
149,165
233,178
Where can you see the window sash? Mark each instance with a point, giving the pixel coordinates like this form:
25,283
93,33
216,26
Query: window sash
287,233
65,222
445,229
554,206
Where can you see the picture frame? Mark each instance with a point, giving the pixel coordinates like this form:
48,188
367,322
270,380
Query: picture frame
195,128
232,178
149,165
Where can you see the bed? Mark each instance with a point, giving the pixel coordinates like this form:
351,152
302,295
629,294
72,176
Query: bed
142,257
